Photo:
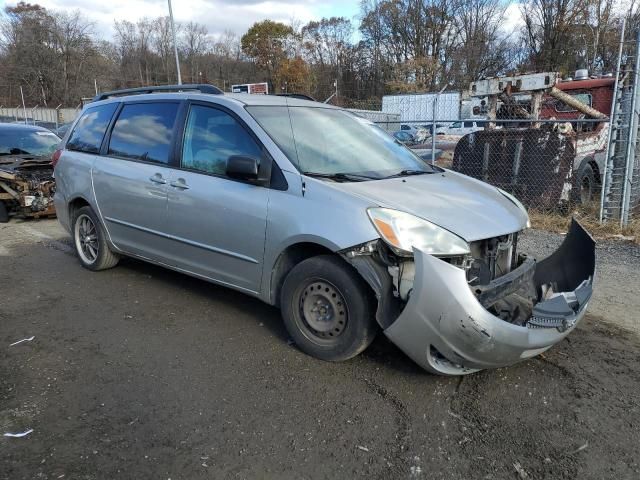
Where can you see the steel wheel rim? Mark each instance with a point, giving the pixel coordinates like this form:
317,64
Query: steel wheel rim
323,311
86,237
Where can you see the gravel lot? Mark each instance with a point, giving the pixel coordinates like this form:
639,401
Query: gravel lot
139,372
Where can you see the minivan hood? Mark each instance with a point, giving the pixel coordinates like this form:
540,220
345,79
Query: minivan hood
471,209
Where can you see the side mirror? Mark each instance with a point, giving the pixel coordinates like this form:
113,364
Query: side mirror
243,167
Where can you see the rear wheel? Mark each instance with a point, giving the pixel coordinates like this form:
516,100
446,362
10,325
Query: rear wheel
328,309
90,241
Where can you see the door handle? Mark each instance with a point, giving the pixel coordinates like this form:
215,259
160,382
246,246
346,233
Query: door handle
180,184
157,178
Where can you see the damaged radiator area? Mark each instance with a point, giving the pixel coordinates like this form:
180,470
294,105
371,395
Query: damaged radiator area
509,285
27,186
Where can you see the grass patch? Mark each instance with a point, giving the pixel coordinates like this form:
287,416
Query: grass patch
588,217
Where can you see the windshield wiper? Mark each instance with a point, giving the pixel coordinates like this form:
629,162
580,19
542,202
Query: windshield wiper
406,173
341,177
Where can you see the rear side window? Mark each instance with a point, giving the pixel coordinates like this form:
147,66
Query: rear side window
88,133
144,131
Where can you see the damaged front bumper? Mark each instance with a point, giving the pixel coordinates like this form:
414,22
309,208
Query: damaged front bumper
446,328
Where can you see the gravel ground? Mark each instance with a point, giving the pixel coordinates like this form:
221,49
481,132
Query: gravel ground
140,372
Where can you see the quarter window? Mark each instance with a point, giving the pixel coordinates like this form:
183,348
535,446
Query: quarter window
144,131
212,136
88,133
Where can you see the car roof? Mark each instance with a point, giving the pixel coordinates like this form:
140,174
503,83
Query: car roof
238,98
22,127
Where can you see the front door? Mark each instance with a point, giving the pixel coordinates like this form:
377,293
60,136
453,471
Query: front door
218,224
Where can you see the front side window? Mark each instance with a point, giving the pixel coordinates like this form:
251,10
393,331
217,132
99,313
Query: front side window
211,136
88,133
330,141
468,124
144,131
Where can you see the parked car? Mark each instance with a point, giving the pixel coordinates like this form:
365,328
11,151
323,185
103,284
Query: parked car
62,130
404,137
26,175
429,127
322,214
463,127
418,132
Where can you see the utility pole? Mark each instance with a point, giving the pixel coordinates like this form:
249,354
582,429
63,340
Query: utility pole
434,108
24,108
175,43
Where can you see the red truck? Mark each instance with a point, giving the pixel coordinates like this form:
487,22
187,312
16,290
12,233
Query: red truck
546,163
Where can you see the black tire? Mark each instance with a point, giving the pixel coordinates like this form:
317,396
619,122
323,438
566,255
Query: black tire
587,186
345,316
96,255
4,213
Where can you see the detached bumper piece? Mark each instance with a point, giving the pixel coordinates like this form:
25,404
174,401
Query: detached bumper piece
450,328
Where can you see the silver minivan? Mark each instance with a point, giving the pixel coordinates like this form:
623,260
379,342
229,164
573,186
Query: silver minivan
322,214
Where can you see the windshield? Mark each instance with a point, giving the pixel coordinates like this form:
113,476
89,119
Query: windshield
333,142
27,142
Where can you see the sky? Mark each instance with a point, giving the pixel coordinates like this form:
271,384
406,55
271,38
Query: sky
216,15
220,15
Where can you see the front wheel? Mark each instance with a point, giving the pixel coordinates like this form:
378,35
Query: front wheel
90,241
328,309
588,188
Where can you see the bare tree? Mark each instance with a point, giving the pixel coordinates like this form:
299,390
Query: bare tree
195,43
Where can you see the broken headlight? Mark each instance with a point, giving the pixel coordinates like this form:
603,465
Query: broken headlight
403,232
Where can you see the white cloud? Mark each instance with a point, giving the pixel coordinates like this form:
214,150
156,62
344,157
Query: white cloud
216,15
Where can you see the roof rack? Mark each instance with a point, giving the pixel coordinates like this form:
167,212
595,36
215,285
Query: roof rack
198,87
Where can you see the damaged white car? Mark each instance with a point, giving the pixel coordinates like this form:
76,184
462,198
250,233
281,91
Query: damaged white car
322,214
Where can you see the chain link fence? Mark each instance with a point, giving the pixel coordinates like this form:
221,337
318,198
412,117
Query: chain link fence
555,157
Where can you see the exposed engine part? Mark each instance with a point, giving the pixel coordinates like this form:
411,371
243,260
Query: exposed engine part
492,258
403,275
27,185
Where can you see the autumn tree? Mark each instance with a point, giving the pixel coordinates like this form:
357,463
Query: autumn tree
293,76
266,43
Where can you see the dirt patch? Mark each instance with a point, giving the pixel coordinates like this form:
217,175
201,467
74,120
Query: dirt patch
139,372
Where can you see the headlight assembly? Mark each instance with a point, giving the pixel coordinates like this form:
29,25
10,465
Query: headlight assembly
403,232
